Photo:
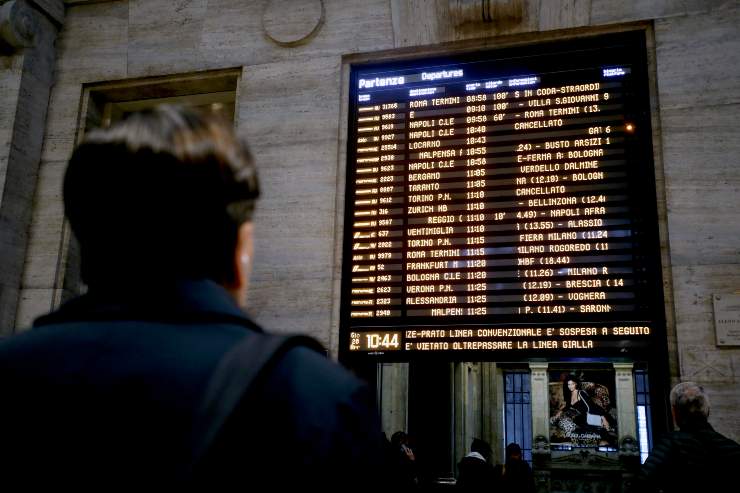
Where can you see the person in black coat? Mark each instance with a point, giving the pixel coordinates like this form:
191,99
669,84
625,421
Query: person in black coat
475,470
695,458
404,470
118,387
515,476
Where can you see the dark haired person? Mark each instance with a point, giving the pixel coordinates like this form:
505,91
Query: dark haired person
515,475
475,471
142,381
404,471
695,458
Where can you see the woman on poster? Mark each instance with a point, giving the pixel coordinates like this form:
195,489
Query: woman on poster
587,415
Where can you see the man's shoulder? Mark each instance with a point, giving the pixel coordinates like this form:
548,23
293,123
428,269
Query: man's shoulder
720,445
305,406
309,378
699,446
139,337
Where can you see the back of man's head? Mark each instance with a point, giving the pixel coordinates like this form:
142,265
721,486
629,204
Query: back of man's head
159,196
690,404
399,438
513,451
482,447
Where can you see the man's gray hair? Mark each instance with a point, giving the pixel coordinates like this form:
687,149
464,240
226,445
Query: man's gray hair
690,402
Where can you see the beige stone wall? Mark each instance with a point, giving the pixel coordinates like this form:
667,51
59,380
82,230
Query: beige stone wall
291,105
288,106
698,60
27,59
11,68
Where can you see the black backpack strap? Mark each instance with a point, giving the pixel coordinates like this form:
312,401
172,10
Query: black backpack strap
232,379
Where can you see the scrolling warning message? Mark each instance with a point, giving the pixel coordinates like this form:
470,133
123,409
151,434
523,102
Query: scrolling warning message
502,200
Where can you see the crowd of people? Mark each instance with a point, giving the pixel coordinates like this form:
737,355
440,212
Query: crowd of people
476,472
156,376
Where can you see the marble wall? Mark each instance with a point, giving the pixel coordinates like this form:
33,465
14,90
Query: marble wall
27,60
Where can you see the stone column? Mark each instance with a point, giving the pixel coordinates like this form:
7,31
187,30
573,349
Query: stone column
467,398
393,392
492,407
629,447
28,31
625,389
540,400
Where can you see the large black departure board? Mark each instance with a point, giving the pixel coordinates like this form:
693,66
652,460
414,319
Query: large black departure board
502,202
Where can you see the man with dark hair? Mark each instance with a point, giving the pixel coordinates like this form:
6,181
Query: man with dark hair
156,376
403,471
515,475
475,471
694,458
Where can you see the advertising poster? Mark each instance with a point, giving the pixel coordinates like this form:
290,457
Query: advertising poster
583,411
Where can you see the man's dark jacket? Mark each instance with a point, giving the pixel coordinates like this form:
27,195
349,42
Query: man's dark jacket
106,390
694,459
475,474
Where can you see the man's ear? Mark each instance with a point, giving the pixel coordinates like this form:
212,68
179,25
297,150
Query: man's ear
242,263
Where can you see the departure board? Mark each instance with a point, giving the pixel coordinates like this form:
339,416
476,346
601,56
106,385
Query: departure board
502,201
